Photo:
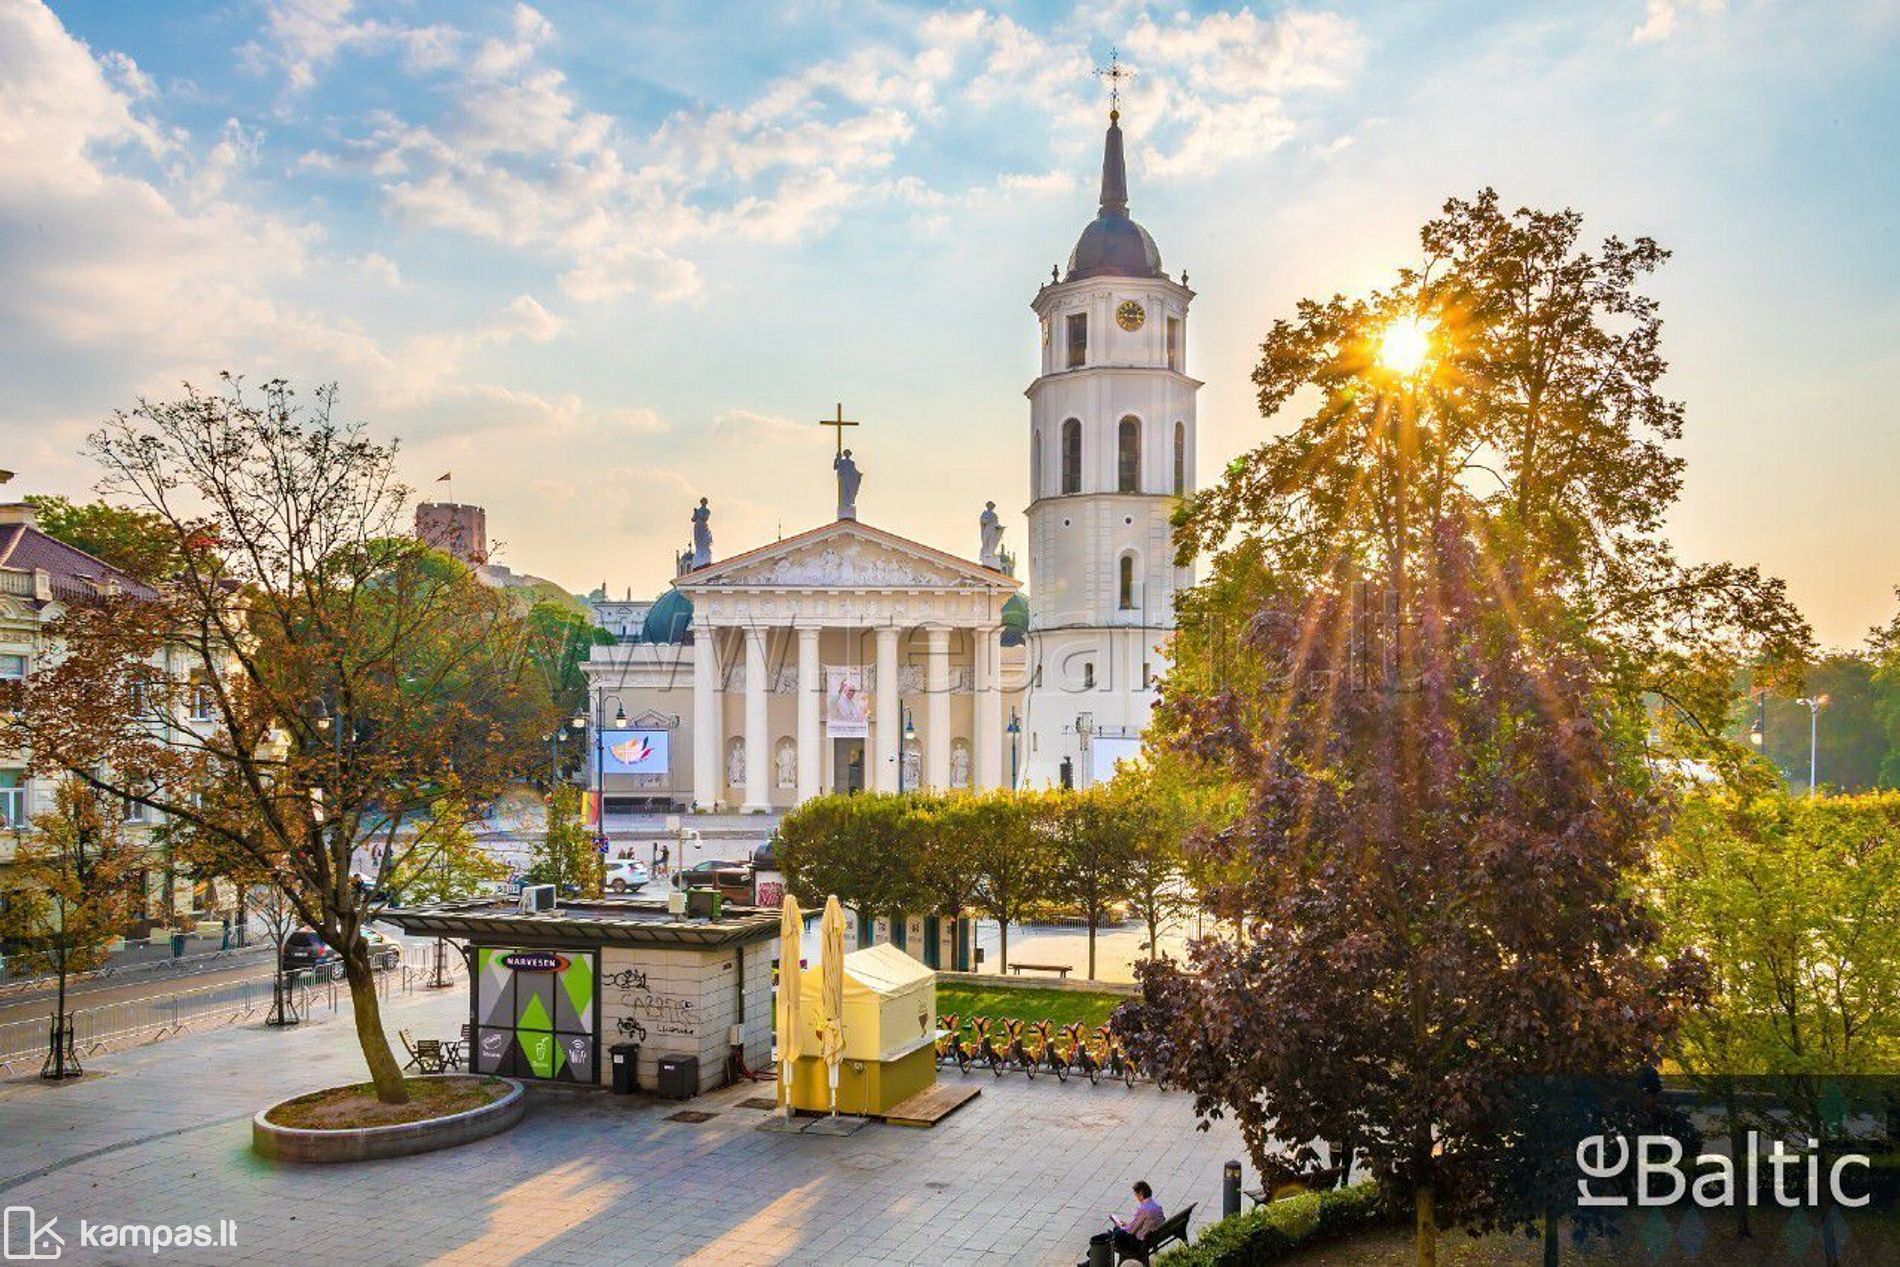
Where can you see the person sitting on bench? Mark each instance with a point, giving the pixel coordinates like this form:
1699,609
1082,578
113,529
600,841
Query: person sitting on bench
1130,1237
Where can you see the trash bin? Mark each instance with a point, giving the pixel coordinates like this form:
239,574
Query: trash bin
679,1077
178,945
626,1067
1102,1250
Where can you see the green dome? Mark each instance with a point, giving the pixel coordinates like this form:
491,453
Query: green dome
669,619
1015,620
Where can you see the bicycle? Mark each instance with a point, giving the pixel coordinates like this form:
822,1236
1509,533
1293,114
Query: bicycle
1080,1057
986,1052
1113,1058
950,1048
1016,1055
1046,1053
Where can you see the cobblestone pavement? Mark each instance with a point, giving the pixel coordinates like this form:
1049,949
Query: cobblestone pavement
160,1134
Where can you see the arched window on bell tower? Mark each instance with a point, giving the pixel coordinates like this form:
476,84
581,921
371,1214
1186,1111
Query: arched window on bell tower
1125,583
1128,456
1072,456
1180,459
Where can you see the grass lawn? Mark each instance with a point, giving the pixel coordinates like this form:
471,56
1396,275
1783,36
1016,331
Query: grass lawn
1060,1006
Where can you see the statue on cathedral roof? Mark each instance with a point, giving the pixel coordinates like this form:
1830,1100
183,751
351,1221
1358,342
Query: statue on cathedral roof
849,480
702,535
992,527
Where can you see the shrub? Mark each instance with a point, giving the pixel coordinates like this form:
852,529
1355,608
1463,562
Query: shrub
1273,1232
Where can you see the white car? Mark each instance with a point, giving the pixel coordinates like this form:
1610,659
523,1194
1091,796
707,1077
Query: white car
624,875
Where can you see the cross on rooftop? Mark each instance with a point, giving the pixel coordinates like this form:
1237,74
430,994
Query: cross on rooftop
1115,73
840,422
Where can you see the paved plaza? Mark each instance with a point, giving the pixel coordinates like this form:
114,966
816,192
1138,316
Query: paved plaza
160,1134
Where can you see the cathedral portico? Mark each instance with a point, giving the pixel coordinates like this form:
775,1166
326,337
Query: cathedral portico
807,657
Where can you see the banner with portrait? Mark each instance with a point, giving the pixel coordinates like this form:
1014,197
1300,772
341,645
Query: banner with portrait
847,703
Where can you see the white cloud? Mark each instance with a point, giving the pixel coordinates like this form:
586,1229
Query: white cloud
749,428
1663,17
302,37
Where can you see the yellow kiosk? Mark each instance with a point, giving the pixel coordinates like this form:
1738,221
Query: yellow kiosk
890,1048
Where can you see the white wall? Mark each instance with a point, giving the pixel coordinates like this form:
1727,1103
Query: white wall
682,1003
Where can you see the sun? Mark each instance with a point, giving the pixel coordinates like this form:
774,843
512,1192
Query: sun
1404,345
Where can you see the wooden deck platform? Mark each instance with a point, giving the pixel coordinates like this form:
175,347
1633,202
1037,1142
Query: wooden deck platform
933,1104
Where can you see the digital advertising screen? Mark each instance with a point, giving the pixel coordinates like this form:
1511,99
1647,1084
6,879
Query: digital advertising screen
636,751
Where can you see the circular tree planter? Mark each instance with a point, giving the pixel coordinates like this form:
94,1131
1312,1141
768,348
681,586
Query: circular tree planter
344,1142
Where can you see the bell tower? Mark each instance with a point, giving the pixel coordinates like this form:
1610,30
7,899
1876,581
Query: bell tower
1111,419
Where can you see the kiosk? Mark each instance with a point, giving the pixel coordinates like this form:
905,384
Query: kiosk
890,1045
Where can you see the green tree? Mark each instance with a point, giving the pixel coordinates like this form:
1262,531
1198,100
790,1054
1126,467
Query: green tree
137,542
1096,836
76,888
866,849
446,863
566,854
947,861
1015,854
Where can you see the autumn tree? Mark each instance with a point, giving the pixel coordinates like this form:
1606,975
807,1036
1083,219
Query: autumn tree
1444,643
77,884
306,653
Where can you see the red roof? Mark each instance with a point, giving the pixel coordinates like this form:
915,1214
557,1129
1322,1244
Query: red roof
74,573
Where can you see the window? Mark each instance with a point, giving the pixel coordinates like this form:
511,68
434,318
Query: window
1078,339
132,811
1180,459
1125,582
204,704
12,798
1088,676
1128,456
1174,343
12,667
1072,456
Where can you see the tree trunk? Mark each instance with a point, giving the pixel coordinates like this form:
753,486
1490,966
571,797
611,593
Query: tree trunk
1737,1150
1002,950
59,1022
1091,946
1551,1220
1426,1226
383,1069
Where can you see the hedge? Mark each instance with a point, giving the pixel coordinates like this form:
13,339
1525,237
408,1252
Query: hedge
1275,1231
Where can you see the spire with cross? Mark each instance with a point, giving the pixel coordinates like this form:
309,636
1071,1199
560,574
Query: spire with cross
1115,73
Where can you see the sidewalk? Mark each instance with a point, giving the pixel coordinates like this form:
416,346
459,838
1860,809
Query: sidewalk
161,1134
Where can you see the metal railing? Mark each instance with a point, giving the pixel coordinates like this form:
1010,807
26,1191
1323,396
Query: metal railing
311,995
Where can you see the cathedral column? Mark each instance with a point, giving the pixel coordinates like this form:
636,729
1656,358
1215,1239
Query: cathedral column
707,767
886,719
937,709
811,694
986,708
758,734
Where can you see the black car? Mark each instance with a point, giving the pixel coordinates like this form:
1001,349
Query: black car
306,949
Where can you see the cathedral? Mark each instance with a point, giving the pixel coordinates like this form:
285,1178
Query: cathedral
848,657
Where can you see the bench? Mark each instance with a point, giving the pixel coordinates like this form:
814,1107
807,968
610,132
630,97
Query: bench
1062,970
1175,1229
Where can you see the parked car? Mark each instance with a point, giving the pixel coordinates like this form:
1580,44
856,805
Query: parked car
701,875
624,875
306,949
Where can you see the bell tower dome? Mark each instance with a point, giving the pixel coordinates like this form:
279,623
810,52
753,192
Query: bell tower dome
1111,418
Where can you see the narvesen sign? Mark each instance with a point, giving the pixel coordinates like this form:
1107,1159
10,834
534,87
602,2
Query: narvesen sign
534,961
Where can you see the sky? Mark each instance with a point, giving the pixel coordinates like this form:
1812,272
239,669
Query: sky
600,260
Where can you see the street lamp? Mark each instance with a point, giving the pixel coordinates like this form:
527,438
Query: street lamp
908,737
600,759
1015,735
1815,705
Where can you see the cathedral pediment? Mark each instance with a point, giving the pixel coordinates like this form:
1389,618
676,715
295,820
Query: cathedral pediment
845,555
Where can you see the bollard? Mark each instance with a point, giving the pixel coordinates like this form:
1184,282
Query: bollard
1230,1190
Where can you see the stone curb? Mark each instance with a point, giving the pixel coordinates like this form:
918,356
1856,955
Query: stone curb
370,1143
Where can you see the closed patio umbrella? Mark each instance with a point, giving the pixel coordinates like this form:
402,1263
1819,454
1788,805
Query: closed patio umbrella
831,994
791,982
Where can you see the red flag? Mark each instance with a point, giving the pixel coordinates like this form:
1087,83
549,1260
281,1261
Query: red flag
443,476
